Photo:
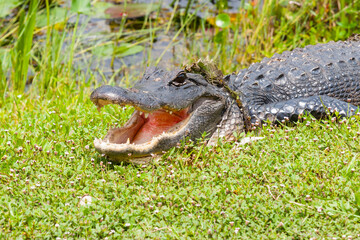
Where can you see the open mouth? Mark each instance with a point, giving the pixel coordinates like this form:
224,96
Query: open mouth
142,128
144,134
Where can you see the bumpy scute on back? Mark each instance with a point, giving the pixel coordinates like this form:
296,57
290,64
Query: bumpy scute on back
208,69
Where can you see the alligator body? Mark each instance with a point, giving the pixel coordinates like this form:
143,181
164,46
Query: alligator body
185,103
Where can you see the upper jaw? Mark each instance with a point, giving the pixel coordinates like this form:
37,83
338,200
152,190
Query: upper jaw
116,95
139,99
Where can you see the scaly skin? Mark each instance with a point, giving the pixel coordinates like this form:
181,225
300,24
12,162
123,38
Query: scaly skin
314,79
305,79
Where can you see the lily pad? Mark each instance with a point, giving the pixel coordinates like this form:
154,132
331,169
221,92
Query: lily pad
7,6
222,20
81,6
57,15
123,50
134,10
214,20
99,8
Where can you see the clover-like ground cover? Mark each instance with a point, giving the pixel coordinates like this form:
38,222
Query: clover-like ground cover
300,181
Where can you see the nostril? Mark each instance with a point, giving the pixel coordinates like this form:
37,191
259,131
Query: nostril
255,84
268,86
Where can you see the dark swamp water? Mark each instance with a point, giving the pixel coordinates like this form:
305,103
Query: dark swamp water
115,37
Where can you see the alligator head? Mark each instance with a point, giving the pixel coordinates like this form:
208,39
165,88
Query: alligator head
169,107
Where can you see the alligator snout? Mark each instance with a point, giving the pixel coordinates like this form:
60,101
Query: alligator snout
116,95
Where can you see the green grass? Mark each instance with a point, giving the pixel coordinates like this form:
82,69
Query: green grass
298,182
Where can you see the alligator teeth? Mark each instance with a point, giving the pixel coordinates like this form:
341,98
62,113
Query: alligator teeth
171,112
128,141
146,115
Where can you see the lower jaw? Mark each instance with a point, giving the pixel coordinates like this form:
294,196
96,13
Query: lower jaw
132,153
125,157
144,152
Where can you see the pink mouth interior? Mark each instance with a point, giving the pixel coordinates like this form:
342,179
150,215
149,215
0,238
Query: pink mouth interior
144,129
157,123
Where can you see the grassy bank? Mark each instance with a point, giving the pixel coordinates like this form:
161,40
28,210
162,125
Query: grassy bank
298,182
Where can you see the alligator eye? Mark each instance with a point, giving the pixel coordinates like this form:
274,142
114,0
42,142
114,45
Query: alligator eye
179,80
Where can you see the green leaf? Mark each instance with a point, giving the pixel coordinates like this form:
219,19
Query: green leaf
24,44
103,51
218,38
126,50
99,8
347,25
5,58
57,14
81,6
222,20
357,199
7,6
123,50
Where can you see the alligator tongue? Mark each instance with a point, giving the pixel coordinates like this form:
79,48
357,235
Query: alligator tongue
156,123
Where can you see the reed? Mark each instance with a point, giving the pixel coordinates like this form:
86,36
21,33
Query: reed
21,53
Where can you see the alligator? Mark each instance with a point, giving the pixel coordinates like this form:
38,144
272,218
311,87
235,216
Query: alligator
186,103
